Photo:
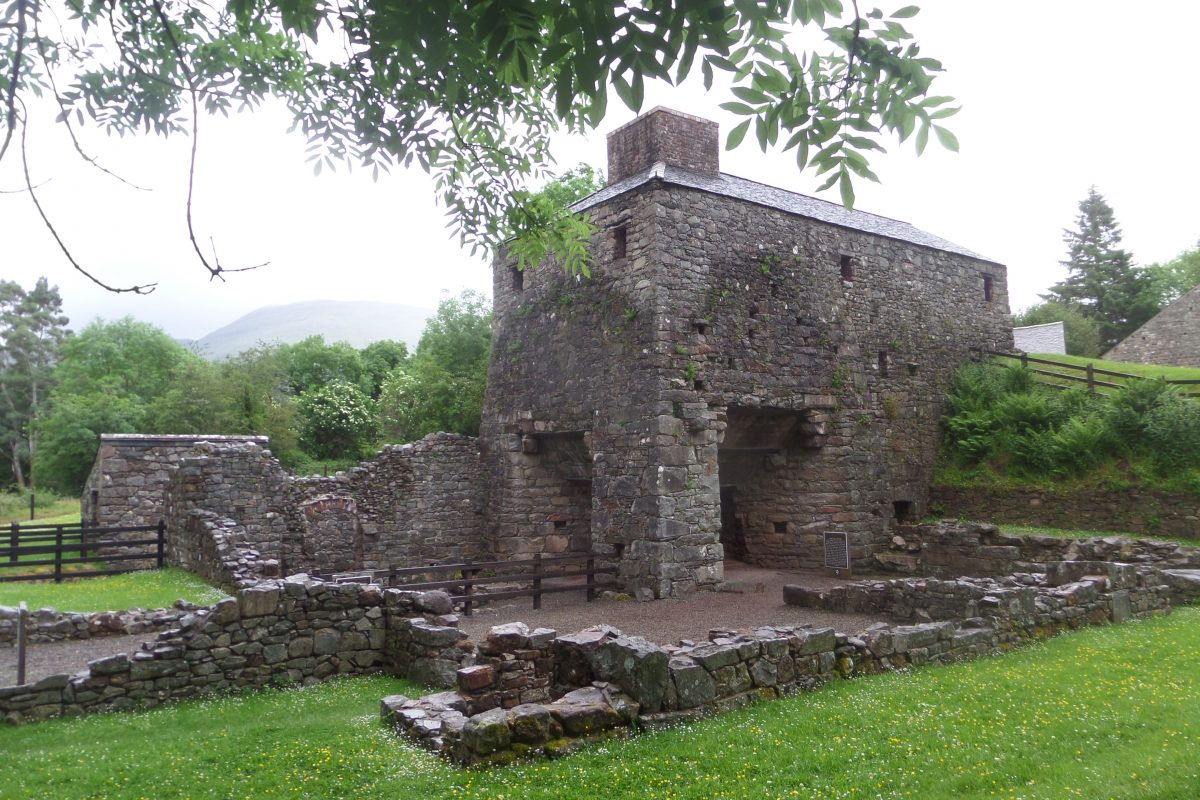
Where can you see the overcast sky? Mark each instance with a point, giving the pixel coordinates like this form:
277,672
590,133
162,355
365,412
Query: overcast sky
1056,96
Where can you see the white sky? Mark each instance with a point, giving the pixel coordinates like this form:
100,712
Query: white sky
1057,96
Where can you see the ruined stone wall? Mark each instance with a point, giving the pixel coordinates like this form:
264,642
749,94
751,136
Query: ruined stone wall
291,632
1171,513
950,549
1172,337
535,693
235,515
131,472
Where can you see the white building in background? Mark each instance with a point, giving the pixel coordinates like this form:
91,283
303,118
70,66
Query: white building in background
1050,337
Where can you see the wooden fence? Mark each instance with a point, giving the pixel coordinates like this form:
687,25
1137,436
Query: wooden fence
76,545
1095,378
465,577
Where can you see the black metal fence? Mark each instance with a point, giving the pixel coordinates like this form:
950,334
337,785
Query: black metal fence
75,550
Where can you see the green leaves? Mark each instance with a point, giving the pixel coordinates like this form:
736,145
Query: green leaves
472,92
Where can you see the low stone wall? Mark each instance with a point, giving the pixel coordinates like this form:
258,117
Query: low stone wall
1174,514
535,694
951,548
294,631
52,625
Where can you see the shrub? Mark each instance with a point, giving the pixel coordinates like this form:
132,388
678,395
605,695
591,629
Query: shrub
1130,406
337,420
1172,433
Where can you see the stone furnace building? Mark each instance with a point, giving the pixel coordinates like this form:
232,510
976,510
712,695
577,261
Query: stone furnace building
1171,337
746,370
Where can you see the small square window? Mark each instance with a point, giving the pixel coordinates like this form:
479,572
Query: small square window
847,268
560,523
700,327
987,288
781,527
518,279
698,386
620,241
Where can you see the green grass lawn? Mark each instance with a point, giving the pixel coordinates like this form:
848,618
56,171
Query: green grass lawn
51,509
147,589
1064,533
1142,370
1109,712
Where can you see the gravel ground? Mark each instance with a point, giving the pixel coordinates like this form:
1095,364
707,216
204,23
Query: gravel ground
753,596
54,658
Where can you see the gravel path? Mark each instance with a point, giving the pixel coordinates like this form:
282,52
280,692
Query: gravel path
753,597
55,658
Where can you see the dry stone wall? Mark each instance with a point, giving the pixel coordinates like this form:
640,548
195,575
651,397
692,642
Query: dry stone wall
295,631
52,625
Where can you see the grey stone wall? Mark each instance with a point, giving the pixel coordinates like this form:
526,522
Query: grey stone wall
52,625
1172,513
131,471
234,515
1172,337
292,632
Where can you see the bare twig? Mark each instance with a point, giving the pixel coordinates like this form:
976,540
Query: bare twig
65,116
11,104
217,270
23,189
29,187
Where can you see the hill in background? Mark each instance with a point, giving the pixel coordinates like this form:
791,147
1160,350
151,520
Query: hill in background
356,322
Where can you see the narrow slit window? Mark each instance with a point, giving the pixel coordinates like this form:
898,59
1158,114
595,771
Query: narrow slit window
560,523
987,288
518,279
620,241
847,268
883,363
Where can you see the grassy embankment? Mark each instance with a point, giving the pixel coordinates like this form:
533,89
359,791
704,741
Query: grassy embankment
1108,712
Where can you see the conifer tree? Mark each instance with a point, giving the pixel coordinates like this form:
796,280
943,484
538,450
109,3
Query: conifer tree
1101,279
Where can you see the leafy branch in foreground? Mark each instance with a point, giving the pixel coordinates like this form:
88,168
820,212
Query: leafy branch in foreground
472,90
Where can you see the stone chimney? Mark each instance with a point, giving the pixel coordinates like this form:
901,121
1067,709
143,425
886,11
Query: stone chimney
662,134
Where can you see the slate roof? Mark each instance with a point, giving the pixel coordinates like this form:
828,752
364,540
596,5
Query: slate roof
773,197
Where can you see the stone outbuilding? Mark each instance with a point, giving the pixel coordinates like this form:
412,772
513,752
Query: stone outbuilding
1171,337
746,370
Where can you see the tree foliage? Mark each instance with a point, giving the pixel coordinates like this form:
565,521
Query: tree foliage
32,331
1175,278
337,420
1101,279
472,90
1081,331
441,388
